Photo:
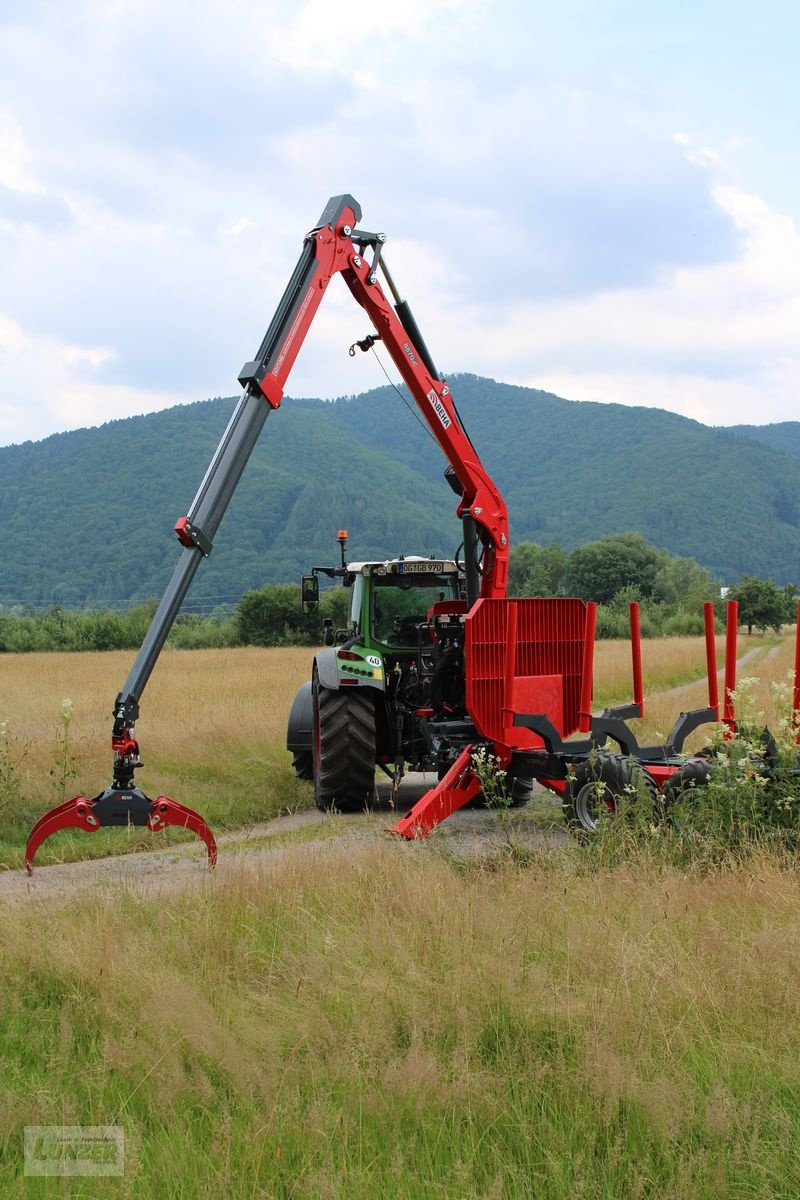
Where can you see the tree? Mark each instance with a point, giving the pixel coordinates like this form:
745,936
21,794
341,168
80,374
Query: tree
536,570
762,604
601,569
271,616
683,583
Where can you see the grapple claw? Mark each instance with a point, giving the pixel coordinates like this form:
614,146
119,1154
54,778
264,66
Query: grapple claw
120,807
72,814
170,812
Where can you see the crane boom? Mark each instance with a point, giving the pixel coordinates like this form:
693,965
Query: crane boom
334,246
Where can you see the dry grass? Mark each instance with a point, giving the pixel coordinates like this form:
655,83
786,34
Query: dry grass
212,732
393,1022
207,704
206,701
770,664
213,725
392,1025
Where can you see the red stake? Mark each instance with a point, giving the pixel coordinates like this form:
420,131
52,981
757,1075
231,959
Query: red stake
711,657
636,657
731,634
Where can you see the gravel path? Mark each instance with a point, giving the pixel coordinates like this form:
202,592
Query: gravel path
469,831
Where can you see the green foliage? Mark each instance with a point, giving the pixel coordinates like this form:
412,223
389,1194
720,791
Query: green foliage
740,796
683,583
601,570
752,792
762,604
58,629
536,570
271,616
492,778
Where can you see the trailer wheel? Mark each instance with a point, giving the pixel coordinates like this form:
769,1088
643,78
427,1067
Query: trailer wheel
519,793
343,755
679,788
597,787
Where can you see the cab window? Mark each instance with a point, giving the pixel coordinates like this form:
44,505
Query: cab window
400,604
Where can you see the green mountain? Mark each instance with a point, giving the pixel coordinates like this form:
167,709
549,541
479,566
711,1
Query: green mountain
86,517
783,436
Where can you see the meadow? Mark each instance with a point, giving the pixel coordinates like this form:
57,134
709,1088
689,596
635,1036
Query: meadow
213,724
346,1020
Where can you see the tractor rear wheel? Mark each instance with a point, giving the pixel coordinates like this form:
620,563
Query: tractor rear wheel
343,749
598,786
303,763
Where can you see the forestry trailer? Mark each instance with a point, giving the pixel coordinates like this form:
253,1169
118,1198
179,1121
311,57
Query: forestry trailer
436,663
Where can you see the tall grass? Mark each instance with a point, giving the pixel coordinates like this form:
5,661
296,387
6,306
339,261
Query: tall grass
354,1022
212,732
394,1024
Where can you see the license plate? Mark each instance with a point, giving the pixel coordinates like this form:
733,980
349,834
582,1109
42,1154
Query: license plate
421,568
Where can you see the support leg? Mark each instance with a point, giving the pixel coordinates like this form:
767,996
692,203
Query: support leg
452,792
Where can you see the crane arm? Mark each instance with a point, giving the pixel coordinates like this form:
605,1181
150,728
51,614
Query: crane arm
334,246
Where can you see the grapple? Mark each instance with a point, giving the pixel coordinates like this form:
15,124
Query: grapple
118,807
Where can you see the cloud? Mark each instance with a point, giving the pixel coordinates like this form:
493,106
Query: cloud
156,183
69,395
715,342
15,157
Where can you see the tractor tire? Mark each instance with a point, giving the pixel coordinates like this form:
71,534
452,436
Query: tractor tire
597,785
343,749
303,763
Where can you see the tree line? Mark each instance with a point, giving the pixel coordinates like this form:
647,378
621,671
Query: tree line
612,571
671,590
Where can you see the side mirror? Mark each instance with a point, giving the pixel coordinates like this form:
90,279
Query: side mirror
309,593
327,631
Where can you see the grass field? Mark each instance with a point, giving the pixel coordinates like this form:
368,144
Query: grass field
398,1024
337,1021
212,730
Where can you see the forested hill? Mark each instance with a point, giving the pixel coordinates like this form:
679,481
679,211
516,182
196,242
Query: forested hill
783,435
86,517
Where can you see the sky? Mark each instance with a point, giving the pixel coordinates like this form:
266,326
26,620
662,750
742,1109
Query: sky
601,200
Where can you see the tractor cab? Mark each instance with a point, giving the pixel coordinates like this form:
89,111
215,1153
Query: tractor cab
394,602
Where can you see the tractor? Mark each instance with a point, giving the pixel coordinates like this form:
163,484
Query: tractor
389,690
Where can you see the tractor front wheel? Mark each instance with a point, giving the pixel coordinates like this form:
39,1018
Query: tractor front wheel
303,763
343,751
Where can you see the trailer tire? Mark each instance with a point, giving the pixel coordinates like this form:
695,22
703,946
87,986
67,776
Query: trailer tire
694,774
519,793
599,783
343,754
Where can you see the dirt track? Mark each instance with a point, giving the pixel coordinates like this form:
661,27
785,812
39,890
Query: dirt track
467,831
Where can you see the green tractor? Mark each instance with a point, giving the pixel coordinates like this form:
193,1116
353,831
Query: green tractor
389,690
